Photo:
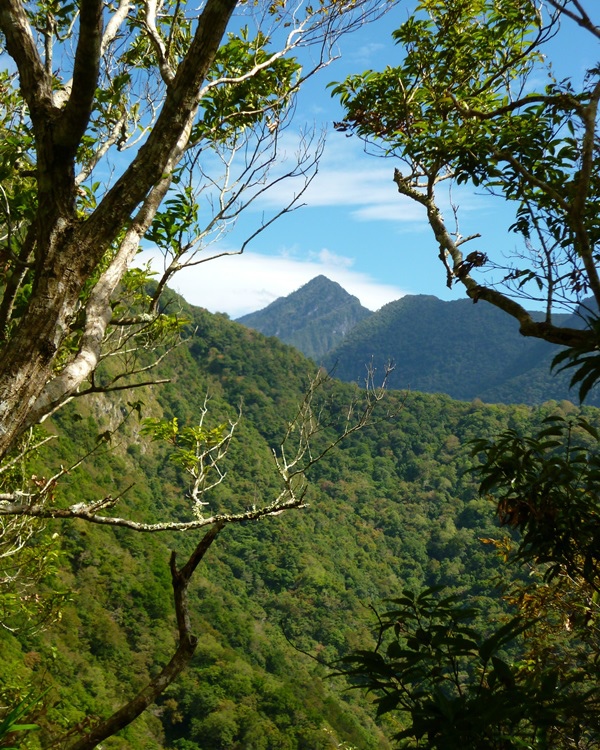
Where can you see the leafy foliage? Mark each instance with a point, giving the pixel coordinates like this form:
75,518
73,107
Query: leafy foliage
586,362
465,105
546,486
245,100
198,450
457,688
10,724
392,507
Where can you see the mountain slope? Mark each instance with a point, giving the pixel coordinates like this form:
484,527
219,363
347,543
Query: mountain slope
393,506
460,348
314,319
463,349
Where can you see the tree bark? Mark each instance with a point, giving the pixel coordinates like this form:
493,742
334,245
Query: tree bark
69,248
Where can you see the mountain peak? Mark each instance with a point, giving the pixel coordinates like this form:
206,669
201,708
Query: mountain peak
314,318
467,351
321,282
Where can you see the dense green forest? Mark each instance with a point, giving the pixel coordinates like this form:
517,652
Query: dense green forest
240,552
464,349
473,99
394,506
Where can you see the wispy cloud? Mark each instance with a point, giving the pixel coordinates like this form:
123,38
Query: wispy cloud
241,284
366,53
350,179
402,210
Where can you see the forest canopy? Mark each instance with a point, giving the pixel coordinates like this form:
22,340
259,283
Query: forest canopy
112,119
125,122
465,106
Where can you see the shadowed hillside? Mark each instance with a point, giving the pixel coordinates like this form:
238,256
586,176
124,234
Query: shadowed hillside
463,349
460,348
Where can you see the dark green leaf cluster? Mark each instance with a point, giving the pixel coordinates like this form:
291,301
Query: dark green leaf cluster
173,225
456,689
237,100
546,486
454,62
585,360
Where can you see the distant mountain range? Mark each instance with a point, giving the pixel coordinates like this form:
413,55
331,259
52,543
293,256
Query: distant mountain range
463,349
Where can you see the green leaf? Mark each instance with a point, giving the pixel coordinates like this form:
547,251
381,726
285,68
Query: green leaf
503,672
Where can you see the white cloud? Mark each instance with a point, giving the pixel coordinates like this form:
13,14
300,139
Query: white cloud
245,283
403,210
349,178
364,54
326,258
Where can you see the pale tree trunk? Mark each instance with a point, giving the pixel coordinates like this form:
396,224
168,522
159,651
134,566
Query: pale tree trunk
67,248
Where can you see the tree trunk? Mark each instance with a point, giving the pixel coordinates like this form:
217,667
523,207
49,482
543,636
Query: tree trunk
69,249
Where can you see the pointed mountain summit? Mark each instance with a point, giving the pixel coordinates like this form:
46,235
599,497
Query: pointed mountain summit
465,350
314,319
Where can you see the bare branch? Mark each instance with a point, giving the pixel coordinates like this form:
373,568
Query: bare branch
161,51
235,193
581,17
88,513
563,100
125,387
115,22
449,247
114,137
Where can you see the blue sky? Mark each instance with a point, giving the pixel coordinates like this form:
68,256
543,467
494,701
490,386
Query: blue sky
355,228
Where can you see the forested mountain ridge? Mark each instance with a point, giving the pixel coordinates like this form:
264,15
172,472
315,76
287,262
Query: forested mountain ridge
460,348
104,600
393,506
314,319
463,349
